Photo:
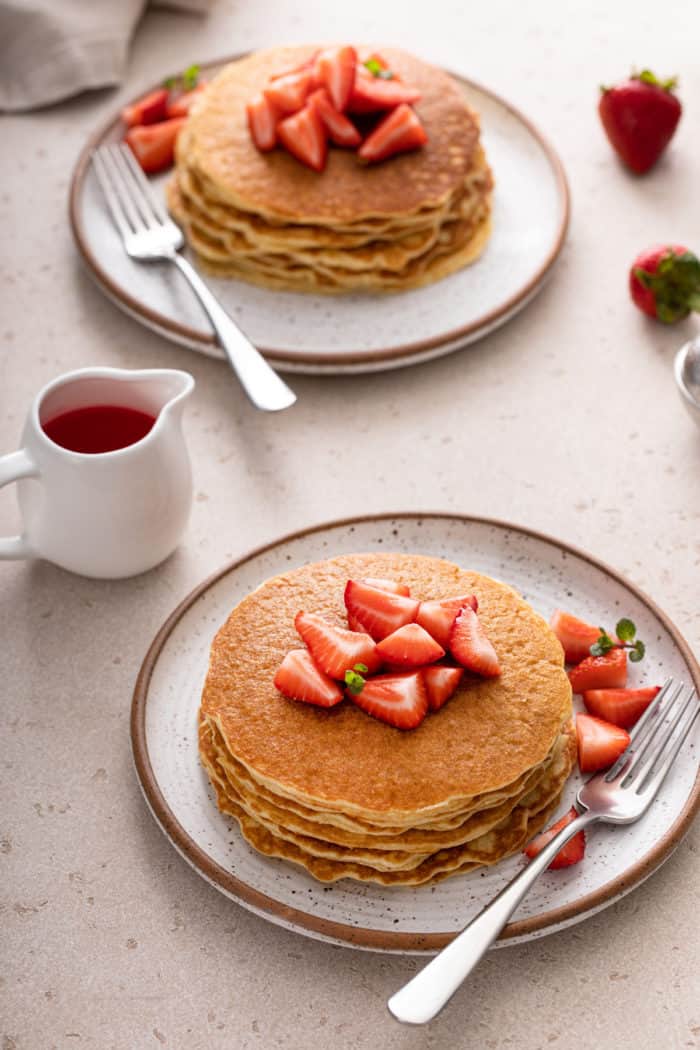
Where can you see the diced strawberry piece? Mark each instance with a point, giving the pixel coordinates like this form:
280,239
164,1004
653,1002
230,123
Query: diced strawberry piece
571,853
298,678
335,69
438,616
308,66
401,700
371,94
334,649
180,106
379,612
153,145
354,624
262,122
622,707
409,647
304,135
440,683
340,130
150,109
399,132
600,672
599,743
470,645
288,93
387,585
576,636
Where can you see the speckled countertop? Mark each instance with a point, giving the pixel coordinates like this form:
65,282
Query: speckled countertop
566,420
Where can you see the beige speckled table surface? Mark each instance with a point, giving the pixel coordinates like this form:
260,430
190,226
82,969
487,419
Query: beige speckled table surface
566,420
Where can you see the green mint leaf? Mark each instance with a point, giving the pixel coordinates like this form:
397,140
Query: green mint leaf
190,77
355,682
362,668
169,83
625,630
603,645
374,67
637,652
597,649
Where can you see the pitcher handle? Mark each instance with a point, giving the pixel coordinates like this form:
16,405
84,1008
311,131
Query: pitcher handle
13,467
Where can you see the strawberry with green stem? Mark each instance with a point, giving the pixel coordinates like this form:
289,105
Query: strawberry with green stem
664,282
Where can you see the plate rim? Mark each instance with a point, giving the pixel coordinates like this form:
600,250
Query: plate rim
389,355
364,937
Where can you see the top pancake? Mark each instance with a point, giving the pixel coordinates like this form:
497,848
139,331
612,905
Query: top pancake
216,143
488,734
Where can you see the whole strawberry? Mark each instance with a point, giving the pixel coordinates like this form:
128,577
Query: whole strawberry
664,282
640,116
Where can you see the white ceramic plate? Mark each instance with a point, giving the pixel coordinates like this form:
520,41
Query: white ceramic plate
356,333
422,919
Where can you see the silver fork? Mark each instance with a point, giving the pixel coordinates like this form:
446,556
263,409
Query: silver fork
619,796
149,234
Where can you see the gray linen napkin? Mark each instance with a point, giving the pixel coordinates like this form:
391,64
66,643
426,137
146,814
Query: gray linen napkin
52,49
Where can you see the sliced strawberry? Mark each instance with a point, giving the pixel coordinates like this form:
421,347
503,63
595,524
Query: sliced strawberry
600,672
576,636
379,612
571,853
288,93
307,66
153,145
298,678
262,122
334,649
440,683
150,109
371,94
409,647
470,645
340,130
387,585
180,106
304,135
401,700
438,616
354,624
399,132
599,743
622,707
335,69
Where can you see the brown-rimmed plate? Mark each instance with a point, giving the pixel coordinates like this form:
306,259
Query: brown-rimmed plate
356,333
549,574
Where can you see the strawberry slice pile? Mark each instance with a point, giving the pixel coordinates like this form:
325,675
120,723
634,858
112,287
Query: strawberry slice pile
319,101
599,674
421,650
154,121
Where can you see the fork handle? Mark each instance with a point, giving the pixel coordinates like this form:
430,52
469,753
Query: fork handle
426,993
261,383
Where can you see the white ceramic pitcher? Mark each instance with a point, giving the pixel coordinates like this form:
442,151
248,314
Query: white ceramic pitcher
108,514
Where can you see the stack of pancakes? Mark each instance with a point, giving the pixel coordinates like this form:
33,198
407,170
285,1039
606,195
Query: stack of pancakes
346,795
268,219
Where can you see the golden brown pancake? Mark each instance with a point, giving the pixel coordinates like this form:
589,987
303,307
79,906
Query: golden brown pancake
268,219
346,794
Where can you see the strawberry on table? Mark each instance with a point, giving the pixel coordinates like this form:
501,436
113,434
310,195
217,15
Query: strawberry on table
401,700
150,109
570,853
437,617
576,636
334,649
621,707
153,145
600,672
378,611
441,682
399,132
600,743
640,116
262,122
335,69
288,93
298,678
304,135
408,647
664,282
340,130
470,645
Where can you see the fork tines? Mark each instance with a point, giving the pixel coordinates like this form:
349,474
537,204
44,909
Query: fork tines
131,201
656,739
